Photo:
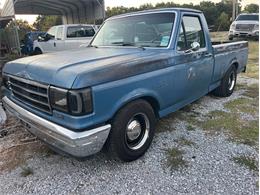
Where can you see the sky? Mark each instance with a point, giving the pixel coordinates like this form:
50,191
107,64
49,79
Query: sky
129,3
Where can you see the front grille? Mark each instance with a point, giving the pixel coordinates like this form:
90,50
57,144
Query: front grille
245,27
31,93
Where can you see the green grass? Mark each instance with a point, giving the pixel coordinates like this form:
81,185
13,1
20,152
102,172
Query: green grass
175,159
246,161
189,127
239,130
243,105
184,142
252,91
253,60
219,36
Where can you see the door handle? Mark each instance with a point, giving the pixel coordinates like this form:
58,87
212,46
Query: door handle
208,55
54,44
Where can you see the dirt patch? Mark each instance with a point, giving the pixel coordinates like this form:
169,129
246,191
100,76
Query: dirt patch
17,145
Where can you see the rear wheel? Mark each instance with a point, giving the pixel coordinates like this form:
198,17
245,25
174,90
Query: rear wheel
230,38
132,131
228,83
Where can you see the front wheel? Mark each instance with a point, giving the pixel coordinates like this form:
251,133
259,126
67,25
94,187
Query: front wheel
228,83
132,131
37,51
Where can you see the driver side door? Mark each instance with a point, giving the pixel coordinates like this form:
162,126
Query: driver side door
199,62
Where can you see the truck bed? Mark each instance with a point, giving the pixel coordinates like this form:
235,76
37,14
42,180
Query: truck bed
228,53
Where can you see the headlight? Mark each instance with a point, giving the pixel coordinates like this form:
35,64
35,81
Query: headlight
75,102
233,26
256,27
58,99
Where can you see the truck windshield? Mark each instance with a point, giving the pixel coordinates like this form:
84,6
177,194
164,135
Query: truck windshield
146,30
247,17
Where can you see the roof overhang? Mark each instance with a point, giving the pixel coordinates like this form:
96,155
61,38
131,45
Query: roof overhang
5,20
93,9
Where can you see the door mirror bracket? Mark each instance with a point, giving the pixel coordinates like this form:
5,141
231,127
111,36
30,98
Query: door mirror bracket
195,46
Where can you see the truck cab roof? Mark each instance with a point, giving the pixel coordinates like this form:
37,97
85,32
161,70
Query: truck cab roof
176,9
66,25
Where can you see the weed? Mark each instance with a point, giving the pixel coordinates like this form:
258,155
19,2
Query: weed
26,171
175,159
246,161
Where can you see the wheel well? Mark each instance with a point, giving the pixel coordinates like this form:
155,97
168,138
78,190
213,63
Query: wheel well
151,100
236,64
154,103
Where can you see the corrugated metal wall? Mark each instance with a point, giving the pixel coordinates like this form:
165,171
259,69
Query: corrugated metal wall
8,9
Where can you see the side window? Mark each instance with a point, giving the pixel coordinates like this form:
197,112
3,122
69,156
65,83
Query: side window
59,33
181,44
193,31
80,31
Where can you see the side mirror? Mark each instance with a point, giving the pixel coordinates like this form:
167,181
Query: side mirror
195,46
41,39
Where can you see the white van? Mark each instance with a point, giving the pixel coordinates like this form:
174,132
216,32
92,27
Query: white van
64,37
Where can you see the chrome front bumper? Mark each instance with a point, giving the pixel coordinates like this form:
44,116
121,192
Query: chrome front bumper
78,144
236,33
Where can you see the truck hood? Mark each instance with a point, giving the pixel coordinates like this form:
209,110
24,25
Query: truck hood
87,67
246,22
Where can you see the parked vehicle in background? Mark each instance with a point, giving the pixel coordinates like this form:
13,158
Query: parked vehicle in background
245,25
97,27
139,67
27,42
64,37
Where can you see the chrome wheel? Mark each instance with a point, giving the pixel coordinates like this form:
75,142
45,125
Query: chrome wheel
231,81
137,131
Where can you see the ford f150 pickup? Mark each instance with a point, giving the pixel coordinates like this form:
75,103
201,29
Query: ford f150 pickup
245,25
64,37
139,67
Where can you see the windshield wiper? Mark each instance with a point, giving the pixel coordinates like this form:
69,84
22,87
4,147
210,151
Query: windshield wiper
121,43
128,44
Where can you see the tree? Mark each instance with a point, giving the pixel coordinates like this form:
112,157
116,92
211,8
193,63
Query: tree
43,23
216,14
210,11
23,27
252,8
223,22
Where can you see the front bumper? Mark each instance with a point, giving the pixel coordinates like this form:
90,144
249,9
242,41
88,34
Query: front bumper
77,144
235,33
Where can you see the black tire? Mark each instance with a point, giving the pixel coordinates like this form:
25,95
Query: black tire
228,83
37,51
121,143
230,38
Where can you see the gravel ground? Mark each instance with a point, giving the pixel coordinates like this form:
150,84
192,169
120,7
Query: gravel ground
209,169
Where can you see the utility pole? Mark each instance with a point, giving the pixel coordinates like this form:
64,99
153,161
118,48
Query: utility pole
235,9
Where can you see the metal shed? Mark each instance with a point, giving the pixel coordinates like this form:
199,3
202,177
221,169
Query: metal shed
73,11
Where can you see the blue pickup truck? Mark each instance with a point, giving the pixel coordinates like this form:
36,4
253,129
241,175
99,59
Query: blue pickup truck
138,68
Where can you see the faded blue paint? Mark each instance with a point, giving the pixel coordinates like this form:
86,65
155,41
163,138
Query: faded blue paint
118,75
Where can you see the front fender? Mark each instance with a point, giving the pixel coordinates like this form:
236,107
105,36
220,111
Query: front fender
111,97
36,44
136,94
